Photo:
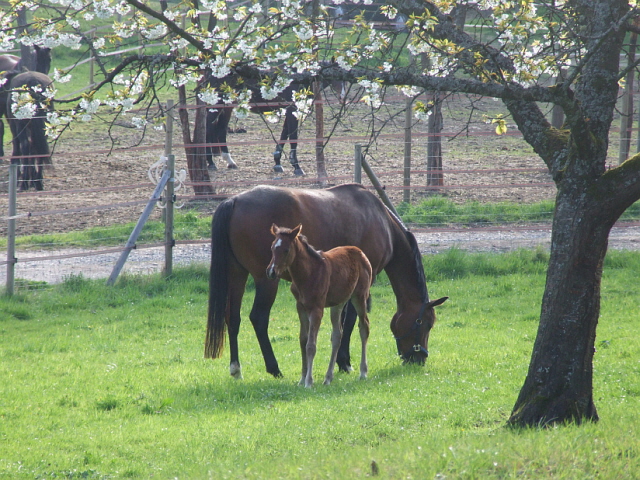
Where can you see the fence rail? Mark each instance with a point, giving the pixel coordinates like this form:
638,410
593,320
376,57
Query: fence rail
95,185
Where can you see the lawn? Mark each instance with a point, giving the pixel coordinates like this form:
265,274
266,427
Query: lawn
102,382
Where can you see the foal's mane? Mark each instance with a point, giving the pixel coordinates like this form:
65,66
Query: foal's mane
312,251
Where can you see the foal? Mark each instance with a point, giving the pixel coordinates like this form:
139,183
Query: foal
319,280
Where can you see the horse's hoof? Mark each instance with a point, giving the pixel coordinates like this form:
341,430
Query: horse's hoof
212,167
232,166
278,169
298,172
235,370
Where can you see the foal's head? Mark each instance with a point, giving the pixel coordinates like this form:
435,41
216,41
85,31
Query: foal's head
282,253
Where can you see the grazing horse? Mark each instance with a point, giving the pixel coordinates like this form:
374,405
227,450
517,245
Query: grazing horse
320,280
30,147
342,215
10,65
217,122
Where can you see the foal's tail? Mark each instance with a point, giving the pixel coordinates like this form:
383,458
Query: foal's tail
218,280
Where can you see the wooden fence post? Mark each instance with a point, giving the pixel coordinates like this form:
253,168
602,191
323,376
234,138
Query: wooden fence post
11,229
406,193
357,164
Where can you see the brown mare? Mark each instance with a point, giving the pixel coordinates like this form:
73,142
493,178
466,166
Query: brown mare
342,215
320,280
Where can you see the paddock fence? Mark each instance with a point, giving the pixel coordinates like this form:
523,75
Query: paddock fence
102,180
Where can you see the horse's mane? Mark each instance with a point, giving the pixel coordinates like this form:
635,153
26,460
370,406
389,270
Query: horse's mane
312,251
417,256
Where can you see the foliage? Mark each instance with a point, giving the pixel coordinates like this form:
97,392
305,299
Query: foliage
105,382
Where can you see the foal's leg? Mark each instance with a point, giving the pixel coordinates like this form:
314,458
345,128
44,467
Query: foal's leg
303,315
315,318
336,336
360,304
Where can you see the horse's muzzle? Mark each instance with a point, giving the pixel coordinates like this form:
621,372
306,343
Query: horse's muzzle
271,273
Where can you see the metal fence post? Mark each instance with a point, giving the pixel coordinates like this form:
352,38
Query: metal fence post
169,242
11,229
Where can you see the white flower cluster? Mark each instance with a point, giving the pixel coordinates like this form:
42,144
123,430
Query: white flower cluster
89,107
303,100
23,105
209,96
272,91
372,94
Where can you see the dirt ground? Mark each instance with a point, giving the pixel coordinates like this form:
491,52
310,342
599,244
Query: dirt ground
100,173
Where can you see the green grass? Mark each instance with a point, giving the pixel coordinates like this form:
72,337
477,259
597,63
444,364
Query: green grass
104,382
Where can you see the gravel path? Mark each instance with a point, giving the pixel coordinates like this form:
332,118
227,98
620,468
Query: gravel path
151,260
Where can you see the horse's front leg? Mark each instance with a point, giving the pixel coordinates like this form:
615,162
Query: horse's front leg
265,296
315,318
336,336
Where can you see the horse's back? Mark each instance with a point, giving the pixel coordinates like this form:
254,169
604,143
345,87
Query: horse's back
343,215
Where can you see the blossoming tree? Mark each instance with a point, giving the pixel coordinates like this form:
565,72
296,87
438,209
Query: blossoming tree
511,55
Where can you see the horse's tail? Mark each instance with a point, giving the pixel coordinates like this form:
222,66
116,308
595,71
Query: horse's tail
218,280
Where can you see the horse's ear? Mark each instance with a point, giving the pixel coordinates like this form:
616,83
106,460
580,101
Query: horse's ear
437,302
296,231
274,229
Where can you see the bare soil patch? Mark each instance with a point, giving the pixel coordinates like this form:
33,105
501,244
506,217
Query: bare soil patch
98,166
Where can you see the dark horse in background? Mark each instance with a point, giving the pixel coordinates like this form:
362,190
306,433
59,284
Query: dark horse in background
10,65
217,123
342,215
30,147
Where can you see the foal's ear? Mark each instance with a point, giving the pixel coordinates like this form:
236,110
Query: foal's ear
274,229
437,302
296,231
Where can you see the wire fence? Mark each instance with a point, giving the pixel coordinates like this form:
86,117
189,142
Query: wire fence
101,180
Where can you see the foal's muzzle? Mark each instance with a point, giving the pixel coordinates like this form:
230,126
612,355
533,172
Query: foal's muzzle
271,273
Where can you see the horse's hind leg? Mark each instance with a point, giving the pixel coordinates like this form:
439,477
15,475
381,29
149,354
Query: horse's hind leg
237,281
336,336
265,296
348,322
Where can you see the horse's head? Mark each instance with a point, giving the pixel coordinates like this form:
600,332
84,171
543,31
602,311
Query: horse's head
411,331
282,253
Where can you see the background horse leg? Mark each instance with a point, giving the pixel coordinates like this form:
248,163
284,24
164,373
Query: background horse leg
217,127
349,315
336,335
291,123
265,296
1,136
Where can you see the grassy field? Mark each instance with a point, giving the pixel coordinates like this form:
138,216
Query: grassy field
104,382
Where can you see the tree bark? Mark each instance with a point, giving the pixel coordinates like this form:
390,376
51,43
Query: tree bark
194,149
559,384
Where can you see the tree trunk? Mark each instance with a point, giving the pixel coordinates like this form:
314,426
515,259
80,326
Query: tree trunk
558,387
194,149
